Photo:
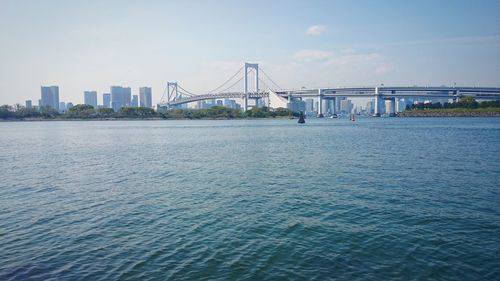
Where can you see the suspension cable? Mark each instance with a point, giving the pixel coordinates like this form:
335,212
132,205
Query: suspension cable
232,85
265,74
227,81
185,91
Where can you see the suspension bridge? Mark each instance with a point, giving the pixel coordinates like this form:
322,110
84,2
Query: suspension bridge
262,87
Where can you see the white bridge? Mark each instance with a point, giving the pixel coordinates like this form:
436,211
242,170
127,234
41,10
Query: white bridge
175,95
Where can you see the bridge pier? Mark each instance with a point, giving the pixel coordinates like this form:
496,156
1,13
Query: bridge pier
320,104
392,106
333,105
376,110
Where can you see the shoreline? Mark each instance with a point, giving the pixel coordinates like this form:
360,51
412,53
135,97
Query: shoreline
130,119
456,113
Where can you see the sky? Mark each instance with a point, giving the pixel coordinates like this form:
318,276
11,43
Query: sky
91,45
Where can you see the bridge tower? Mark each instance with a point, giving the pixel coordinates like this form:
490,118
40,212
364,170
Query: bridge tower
254,66
172,92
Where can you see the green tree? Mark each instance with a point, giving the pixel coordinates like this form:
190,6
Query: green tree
7,111
83,111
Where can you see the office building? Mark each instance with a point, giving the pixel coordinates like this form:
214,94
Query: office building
62,107
28,104
50,97
345,106
309,106
296,105
120,97
106,100
145,95
127,95
135,101
90,98
230,103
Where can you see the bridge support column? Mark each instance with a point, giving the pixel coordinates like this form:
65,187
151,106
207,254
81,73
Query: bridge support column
320,104
333,105
392,107
376,105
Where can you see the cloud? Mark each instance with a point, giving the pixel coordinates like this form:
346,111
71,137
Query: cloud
321,68
316,29
311,55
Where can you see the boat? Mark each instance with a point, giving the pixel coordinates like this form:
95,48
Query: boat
301,118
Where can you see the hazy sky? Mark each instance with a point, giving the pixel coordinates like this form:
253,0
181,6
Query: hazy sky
91,45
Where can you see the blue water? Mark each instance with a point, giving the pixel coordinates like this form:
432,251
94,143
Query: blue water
378,199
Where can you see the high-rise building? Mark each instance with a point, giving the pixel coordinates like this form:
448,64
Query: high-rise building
28,104
127,95
62,107
346,106
309,105
106,100
120,97
50,97
135,101
145,97
90,98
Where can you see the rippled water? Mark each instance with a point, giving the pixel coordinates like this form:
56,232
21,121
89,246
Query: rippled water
381,199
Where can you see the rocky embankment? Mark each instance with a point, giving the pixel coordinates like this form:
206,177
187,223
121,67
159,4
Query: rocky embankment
439,113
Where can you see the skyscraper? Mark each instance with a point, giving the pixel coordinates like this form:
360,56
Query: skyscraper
127,95
106,100
90,98
145,97
28,104
50,97
117,101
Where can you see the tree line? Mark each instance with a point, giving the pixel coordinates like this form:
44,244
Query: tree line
465,102
221,112
84,111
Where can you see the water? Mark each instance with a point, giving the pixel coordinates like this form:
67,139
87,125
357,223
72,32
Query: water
379,199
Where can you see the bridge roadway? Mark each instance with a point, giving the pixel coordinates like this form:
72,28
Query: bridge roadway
376,92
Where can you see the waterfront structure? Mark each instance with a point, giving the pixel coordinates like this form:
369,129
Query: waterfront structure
28,104
106,100
90,98
135,101
174,98
50,97
145,97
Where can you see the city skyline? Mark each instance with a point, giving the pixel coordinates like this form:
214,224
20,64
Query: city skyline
311,44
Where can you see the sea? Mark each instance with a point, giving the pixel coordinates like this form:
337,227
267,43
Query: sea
331,199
